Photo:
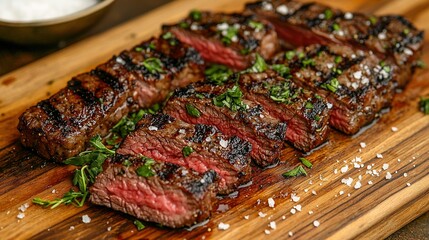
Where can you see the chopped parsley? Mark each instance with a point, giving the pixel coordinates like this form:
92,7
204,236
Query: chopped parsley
373,20
146,169
229,35
195,15
308,62
306,162
169,36
218,74
281,69
289,55
332,85
282,93
256,25
328,14
338,59
309,105
230,99
298,171
139,225
424,105
153,65
186,151
259,66
336,27
192,110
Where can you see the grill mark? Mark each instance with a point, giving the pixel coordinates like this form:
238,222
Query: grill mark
129,64
51,111
88,97
106,77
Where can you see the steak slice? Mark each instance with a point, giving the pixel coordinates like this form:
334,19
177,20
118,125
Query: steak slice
59,127
198,147
357,83
305,112
250,121
229,39
302,24
164,193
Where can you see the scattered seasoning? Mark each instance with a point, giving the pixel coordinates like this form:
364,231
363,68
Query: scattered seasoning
331,85
71,228
229,35
316,223
20,215
273,225
424,105
246,217
385,166
357,185
192,110
86,218
267,232
394,129
195,15
306,162
378,155
230,99
223,226
408,184
338,59
298,171
271,202
363,145
259,66
256,25
373,20
388,175
262,215
218,74
336,27
281,69
186,151
289,55
139,225
153,65
146,169
294,197
328,14
344,169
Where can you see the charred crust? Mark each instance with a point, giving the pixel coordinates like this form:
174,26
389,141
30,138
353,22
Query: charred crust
239,151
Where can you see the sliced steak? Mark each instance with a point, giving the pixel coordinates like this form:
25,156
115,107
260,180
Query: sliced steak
197,147
93,102
305,113
247,120
229,39
357,83
164,193
302,24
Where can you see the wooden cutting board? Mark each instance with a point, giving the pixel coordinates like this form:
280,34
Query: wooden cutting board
369,211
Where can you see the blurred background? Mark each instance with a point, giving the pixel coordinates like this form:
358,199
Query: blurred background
14,56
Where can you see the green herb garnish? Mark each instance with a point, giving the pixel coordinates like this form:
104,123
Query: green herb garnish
71,197
328,14
229,34
230,99
139,225
338,59
192,110
146,169
186,151
289,55
306,162
259,66
298,171
309,105
281,69
373,20
218,74
308,62
424,105
195,15
256,25
282,93
153,65
167,35
183,25
336,27
332,85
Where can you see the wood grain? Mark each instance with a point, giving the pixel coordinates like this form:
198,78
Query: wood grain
371,211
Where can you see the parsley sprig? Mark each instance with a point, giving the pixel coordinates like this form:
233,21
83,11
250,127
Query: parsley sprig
424,105
230,99
91,162
218,74
153,65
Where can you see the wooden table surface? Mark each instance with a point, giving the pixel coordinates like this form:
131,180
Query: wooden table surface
45,176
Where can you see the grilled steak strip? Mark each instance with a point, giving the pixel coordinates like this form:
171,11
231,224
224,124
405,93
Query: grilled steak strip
357,83
197,147
164,193
302,24
305,113
93,102
252,124
229,39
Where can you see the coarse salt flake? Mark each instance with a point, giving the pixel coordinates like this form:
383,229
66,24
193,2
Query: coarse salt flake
71,228
223,226
370,182
267,6
341,192
357,185
86,218
329,105
388,175
298,207
294,197
23,207
290,233
262,215
385,166
348,15
182,131
267,231
152,128
405,174
246,217
282,9
316,223
109,229
357,74
293,211
378,155
20,215
271,202
223,143
362,145
394,129
310,212
273,225
408,51
408,184
222,26
344,169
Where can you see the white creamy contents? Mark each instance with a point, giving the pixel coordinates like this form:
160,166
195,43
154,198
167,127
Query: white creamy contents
37,10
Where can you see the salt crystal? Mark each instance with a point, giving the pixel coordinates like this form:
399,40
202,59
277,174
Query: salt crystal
363,145
246,217
314,192
152,128
344,169
293,211
370,183
348,15
262,215
341,192
385,166
357,74
23,207
223,226
298,207
182,131
310,212
394,129
273,225
71,228
222,26
408,51
316,223
294,197
109,229
267,6
335,171
223,143
86,219
329,105
267,231
282,9
357,185
20,215
388,175
408,184
378,155
405,175
271,202
290,233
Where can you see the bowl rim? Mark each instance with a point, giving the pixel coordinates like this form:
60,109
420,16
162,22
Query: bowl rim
67,18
